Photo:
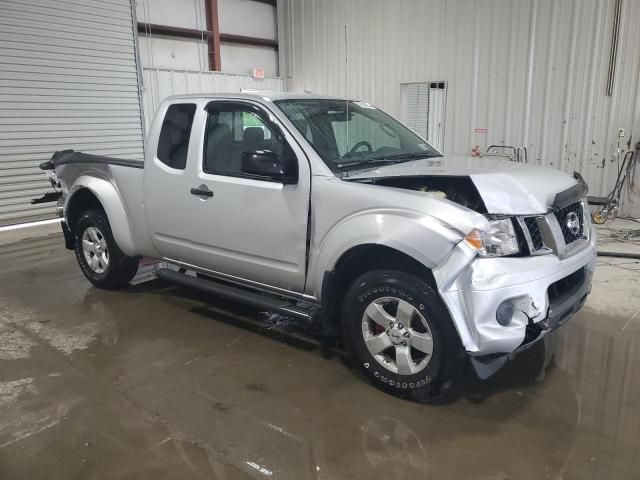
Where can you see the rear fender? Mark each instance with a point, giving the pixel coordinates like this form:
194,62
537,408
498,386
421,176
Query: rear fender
113,206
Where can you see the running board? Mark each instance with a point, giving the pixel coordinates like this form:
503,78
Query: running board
259,300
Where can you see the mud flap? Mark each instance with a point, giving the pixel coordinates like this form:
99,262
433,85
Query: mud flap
485,368
68,236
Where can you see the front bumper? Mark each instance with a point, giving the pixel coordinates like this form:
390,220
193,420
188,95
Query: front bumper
473,288
561,309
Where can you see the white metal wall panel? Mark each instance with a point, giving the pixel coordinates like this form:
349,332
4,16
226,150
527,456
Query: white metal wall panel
68,79
160,83
177,13
243,59
173,52
248,17
530,72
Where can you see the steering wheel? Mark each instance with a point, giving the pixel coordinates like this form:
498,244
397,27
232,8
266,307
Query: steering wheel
355,148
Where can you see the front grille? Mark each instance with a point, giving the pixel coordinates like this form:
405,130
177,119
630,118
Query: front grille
566,285
534,232
523,244
571,220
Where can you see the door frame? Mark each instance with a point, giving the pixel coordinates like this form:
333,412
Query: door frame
404,106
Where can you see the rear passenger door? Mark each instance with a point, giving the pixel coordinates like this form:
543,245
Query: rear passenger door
169,166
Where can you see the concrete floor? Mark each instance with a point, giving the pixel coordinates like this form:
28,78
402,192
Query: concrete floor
157,382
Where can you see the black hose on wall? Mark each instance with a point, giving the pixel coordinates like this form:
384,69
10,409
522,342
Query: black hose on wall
635,256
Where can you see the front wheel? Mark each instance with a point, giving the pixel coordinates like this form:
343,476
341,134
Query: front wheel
399,332
98,255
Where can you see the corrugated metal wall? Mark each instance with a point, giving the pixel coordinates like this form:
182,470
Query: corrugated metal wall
160,83
530,72
68,79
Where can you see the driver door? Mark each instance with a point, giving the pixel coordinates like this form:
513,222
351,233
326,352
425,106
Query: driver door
250,227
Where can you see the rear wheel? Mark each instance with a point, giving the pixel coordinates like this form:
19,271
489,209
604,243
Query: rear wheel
401,336
98,255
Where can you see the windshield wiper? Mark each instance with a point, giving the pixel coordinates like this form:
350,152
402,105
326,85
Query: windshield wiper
402,156
387,158
362,162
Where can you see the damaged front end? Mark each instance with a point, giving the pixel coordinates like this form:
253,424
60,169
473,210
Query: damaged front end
457,189
502,305
526,271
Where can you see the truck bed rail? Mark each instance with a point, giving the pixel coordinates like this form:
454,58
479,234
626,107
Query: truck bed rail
64,157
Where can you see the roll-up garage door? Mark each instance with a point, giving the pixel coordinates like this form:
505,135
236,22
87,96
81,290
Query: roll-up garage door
68,79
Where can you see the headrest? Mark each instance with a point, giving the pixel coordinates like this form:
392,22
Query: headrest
220,129
253,134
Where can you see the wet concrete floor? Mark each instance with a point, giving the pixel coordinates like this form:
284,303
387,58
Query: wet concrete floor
156,382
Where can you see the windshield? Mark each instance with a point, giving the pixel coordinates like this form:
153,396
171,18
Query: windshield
350,135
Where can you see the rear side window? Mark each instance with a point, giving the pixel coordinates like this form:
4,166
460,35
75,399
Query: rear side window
173,143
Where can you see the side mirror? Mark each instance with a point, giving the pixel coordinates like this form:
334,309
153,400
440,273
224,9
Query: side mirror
266,164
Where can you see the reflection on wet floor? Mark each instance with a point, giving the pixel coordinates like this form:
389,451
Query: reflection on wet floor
160,382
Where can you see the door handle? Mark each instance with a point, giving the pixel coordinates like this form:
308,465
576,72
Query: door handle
202,191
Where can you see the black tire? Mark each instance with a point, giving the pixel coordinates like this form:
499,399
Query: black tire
447,359
120,268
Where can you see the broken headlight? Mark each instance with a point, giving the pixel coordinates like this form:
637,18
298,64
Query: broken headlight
501,239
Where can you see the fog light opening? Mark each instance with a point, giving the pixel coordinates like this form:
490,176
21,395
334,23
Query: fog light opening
504,313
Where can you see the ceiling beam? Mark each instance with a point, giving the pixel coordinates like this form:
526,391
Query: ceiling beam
152,28
244,40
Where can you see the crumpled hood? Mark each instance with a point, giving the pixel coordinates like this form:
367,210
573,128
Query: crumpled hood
506,187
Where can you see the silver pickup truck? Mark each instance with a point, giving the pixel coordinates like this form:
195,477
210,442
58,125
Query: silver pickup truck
329,208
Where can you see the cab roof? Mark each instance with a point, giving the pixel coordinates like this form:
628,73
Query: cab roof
257,95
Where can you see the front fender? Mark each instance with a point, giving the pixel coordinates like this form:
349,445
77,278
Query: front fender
113,206
416,234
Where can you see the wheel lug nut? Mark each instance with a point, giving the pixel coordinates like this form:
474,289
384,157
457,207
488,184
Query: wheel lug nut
404,344
406,334
391,325
400,326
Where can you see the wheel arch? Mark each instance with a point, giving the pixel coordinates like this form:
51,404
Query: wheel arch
80,201
358,260
91,192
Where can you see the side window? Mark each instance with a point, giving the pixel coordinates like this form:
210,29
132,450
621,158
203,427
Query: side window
174,135
236,129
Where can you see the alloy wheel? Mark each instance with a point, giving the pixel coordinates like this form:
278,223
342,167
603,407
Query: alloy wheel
397,335
95,249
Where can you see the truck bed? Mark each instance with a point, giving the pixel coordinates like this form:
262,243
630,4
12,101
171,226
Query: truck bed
117,184
65,157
